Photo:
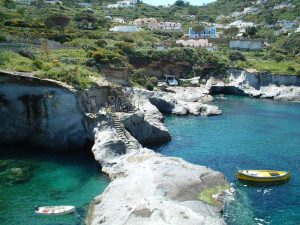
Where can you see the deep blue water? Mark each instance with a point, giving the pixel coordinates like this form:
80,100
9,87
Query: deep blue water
52,179
251,134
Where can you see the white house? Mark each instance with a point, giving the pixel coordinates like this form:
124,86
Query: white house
237,14
85,4
26,2
150,23
53,2
201,43
123,4
208,32
250,10
283,5
259,2
245,45
289,25
127,29
170,26
118,20
240,24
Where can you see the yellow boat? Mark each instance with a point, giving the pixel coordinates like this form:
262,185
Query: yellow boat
263,175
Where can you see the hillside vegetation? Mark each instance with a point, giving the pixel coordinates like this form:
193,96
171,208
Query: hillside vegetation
84,52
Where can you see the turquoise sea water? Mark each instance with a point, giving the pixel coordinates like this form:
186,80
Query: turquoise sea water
52,179
251,134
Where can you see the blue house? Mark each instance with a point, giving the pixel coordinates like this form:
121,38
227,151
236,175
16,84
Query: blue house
208,32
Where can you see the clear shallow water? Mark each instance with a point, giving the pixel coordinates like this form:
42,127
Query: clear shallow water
251,134
55,179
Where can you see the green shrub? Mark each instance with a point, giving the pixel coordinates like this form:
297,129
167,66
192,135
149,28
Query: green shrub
101,43
236,55
153,80
124,48
138,77
149,85
291,69
105,56
38,64
16,23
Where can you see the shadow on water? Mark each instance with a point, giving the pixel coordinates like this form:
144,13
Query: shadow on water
261,184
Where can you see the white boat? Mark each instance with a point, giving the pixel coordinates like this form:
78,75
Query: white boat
54,210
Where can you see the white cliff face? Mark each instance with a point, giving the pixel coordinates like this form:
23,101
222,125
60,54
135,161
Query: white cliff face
148,188
240,82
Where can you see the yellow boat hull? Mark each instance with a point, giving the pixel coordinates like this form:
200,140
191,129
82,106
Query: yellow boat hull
263,175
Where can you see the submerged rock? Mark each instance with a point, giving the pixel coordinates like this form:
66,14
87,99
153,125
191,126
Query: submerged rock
19,175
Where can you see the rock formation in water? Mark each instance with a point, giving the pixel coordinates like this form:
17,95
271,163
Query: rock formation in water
148,188
241,82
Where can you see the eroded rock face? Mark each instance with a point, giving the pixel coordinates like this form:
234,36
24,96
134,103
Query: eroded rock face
180,101
240,82
145,131
148,188
45,114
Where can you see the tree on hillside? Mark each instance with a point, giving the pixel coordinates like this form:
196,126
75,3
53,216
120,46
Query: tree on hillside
236,56
39,4
60,21
192,10
85,15
198,28
270,19
211,20
179,3
231,31
251,31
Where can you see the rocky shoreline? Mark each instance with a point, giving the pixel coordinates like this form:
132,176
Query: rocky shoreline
240,82
146,187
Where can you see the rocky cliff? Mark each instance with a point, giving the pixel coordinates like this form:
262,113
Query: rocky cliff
240,82
46,113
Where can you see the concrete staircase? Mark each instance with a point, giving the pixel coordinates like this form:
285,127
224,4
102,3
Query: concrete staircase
121,131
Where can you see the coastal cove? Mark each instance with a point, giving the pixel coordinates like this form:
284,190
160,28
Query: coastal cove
47,178
251,134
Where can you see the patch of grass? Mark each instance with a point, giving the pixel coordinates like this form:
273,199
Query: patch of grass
280,68
15,62
76,76
206,195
